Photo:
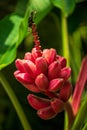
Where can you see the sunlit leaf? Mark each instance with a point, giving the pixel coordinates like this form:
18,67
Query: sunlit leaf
11,34
42,8
67,6
13,28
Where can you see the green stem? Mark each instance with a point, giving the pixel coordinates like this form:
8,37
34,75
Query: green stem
15,102
65,41
81,117
65,46
69,116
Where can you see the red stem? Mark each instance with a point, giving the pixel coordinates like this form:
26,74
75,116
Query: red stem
79,87
36,37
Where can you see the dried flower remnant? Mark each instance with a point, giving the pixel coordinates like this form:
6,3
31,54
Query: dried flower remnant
44,71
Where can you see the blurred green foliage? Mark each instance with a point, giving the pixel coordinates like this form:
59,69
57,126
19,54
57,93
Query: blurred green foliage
15,41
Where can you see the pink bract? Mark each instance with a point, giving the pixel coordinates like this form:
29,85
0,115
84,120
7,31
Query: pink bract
44,72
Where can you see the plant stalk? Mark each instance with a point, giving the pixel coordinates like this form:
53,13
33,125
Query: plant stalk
65,42
69,116
15,102
65,46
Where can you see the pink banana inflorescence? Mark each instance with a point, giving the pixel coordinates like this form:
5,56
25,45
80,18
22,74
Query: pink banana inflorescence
44,71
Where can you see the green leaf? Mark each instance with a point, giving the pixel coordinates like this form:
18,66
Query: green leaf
85,127
78,18
83,32
78,1
75,51
13,28
12,32
81,117
42,8
67,6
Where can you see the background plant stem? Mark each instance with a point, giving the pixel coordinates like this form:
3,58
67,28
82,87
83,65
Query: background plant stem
15,102
65,42
65,47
